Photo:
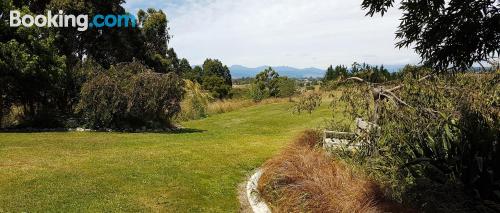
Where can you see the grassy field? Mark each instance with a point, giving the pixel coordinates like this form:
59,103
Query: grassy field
195,171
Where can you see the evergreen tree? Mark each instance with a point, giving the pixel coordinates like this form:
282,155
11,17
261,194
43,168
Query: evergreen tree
330,74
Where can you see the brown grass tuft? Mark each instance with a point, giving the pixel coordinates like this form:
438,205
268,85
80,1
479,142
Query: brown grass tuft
304,179
308,139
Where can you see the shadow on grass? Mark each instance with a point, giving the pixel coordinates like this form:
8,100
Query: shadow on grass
186,131
62,130
33,130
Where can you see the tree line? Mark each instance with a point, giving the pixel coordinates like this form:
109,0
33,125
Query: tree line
101,78
375,74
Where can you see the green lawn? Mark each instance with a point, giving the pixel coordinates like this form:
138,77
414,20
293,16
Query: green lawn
194,171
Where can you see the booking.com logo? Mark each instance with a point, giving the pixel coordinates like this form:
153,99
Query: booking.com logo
81,22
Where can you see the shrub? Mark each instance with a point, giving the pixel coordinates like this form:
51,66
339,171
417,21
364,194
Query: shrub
258,92
308,102
130,96
195,103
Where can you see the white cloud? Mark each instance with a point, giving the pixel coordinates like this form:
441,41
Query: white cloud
301,33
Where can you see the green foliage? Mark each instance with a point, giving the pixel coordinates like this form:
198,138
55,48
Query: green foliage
214,67
43,69
258,92
445,133
268,80
194,74
185,70
216,78
454,33
308,102
268,83
130,96
31,73
373,74
216,86
286,87
331,74
155,31
155,37
107,46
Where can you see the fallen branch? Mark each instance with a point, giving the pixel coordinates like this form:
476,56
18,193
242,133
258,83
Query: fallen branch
355,78
401,85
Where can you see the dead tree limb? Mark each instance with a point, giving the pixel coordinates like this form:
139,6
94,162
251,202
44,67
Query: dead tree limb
401,85
356,79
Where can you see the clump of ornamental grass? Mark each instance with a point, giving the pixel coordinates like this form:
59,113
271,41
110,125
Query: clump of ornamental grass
304,179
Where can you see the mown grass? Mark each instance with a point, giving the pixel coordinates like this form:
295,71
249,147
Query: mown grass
194,171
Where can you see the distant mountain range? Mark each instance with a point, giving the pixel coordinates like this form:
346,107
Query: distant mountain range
239,71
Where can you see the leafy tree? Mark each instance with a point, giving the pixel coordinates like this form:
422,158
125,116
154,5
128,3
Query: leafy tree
257,91
43,69
184,67
456,33
286,87
30,71
106,45
194,74
216,86
155,30
156,37
268,80
216,78
373,74
215,67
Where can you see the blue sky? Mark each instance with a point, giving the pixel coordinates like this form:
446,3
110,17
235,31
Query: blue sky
299,33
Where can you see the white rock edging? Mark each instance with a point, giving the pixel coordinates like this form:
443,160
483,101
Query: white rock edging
256,202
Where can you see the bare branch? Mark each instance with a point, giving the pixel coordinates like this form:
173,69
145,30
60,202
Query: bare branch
355,78
389,93
401,85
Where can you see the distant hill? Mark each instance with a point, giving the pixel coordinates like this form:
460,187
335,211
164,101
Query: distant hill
238,71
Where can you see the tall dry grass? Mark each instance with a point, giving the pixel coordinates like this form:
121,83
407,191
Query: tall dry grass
304,179
223,106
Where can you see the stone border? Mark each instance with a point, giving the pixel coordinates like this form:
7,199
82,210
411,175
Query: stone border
256,202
